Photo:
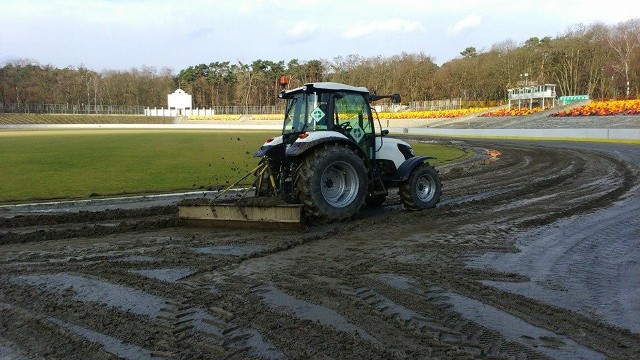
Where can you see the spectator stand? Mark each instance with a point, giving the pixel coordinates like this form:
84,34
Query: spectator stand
542,95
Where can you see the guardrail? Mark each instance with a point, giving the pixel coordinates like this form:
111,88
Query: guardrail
71,109
591,134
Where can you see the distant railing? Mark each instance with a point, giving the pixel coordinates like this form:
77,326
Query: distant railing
178,112
215,110
249,110
71,109
451,104
446,104
132,110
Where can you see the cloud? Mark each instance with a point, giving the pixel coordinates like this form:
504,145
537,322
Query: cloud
203,32
302,30
468,22
391,25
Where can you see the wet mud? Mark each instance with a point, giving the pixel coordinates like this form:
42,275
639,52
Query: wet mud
531,254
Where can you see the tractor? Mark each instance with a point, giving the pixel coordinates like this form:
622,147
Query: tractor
333,160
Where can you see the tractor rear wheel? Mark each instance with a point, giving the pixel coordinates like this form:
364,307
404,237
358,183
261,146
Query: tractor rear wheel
423,188
332,183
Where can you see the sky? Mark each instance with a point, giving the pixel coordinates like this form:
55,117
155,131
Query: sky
124,34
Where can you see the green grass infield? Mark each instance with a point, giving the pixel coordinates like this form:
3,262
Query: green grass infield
76,164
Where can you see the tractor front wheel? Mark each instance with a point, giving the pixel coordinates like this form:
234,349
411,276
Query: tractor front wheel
423,188
332,183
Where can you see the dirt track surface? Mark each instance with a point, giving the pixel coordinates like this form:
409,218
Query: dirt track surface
535,255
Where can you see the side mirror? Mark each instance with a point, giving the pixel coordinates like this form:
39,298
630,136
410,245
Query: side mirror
384,132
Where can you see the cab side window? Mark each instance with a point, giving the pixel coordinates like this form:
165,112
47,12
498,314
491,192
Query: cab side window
352,113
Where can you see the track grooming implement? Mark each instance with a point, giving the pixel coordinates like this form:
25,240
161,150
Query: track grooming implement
235,206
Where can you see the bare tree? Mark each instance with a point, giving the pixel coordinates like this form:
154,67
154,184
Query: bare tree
623,39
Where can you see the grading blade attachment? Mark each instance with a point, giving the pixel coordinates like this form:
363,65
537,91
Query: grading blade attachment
216,214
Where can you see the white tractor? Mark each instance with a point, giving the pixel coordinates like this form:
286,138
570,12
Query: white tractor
330,159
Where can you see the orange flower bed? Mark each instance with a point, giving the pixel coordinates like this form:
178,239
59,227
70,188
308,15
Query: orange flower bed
513,112
603,108
431,114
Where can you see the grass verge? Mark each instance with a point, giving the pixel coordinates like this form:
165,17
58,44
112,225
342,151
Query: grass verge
73,164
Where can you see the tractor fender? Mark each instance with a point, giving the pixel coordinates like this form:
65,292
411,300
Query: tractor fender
268,146
407,167
317,138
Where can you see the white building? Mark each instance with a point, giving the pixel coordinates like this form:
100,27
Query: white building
180,101
179,104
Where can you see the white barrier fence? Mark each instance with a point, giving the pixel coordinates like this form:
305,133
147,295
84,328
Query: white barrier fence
178,112
215,110
582,134
589,133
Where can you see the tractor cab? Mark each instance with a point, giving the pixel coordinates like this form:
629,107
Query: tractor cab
329,107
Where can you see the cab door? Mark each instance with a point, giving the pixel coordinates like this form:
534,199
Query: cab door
353,118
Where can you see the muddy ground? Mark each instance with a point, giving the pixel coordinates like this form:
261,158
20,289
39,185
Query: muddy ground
535,255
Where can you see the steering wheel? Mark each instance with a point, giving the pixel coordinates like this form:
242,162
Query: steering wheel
346,126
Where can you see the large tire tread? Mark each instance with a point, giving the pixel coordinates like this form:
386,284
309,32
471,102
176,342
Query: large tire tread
309,194
406,190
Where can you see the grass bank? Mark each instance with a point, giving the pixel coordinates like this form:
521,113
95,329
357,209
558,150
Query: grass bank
72,164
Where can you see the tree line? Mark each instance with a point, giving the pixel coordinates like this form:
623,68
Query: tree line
597,60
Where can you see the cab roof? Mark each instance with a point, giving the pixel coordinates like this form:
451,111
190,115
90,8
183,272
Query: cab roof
331,86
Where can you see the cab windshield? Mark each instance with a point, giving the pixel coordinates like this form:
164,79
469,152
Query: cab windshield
306,112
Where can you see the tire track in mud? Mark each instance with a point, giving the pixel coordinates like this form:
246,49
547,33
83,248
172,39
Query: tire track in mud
387,284
177,338
603,338
31,228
